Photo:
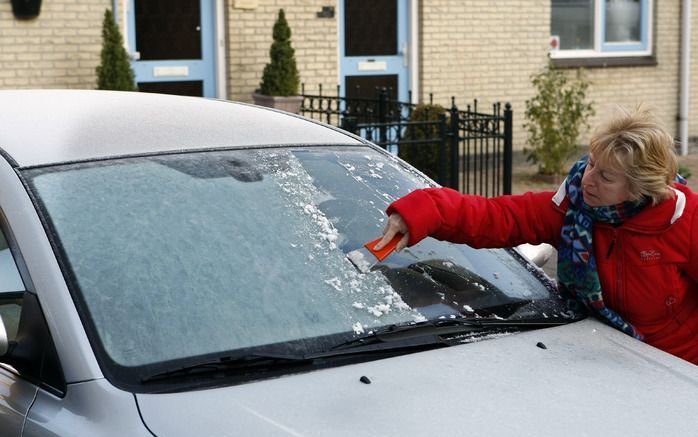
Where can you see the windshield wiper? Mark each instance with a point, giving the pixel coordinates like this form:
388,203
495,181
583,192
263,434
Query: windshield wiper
258,362
408,336
435,328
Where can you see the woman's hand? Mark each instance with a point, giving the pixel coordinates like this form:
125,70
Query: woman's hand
396,225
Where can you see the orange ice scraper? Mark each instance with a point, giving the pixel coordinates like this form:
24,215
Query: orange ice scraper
362,260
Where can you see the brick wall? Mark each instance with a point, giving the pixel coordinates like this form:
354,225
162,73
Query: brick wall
488,50
483,49
693,91
250,36
468,48
58,49
655,86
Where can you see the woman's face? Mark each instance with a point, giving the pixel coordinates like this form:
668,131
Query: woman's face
603,186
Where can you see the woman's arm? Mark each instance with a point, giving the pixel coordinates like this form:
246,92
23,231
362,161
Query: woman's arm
502,221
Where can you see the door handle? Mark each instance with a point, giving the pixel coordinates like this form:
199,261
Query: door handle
405,52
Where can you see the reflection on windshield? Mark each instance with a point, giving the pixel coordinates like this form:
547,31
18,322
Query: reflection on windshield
197,253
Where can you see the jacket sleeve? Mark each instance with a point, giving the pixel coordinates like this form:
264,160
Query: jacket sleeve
502,221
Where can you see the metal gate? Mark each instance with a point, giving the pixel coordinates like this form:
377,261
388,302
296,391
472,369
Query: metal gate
464,149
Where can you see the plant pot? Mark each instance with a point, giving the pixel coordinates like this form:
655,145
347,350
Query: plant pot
26,9
289,104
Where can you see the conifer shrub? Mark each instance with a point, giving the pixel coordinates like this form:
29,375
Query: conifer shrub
114,71
280,77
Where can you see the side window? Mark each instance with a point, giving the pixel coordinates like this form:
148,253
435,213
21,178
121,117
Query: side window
11,286
606,28
32,353
9,275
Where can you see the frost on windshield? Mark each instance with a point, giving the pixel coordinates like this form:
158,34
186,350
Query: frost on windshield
365,300
195,253
183,255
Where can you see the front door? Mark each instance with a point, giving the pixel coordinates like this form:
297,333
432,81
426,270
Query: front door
373,40
174,46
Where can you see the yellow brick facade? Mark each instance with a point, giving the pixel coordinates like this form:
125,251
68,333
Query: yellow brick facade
693,96
478,49
471,49
491,49
250,36
60,49
655,86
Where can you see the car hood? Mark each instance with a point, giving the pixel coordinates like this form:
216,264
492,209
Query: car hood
588,380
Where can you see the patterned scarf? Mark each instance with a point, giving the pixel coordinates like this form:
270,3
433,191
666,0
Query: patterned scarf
576,266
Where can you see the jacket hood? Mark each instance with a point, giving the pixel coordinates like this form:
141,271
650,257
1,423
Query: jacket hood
588,380
651,219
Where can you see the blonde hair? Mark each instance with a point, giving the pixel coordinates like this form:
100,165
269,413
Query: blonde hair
638,145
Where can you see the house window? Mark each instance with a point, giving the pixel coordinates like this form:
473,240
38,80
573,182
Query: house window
601,28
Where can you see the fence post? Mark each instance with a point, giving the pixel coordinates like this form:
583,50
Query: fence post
443,141
508,148
382,117
455,141
349,123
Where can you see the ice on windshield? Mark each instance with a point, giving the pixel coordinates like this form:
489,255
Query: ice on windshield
197,253
175,258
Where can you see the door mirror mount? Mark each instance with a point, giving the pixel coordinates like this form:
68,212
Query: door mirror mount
4,341
539,254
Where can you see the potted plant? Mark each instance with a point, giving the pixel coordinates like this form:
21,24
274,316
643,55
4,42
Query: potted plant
114,71
280,80
556,117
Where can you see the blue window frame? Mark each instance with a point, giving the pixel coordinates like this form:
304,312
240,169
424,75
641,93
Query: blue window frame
601,28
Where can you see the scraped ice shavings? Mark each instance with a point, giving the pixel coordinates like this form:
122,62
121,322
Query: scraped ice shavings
327,231
378,297
357,257
335,283
391,301
379,309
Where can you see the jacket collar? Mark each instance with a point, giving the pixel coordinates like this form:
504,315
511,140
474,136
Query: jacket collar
652,218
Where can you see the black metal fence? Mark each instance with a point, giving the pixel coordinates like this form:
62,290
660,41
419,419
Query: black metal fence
462,149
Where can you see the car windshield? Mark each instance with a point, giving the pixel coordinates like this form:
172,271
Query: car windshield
188,254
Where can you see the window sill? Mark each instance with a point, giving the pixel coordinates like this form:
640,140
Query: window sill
605,62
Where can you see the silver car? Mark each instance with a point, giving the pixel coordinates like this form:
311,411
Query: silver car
174,266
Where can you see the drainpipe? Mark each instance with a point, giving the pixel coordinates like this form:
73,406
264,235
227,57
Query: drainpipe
122,6
414,50
685,74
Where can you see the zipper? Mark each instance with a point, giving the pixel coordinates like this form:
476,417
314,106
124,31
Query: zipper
610,246
620,290
615,299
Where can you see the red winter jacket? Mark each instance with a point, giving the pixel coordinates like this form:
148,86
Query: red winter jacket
648,266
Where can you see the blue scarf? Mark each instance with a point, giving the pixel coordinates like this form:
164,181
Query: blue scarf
577,274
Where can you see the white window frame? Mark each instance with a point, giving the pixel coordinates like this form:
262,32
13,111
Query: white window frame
614,50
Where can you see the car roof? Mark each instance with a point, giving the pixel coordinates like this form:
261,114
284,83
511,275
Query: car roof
39,127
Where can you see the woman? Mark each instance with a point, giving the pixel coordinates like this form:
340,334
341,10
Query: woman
626,231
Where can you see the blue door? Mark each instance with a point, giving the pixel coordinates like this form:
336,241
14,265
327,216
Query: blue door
174,46
373,42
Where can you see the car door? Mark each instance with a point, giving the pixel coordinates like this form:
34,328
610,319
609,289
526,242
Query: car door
16,393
